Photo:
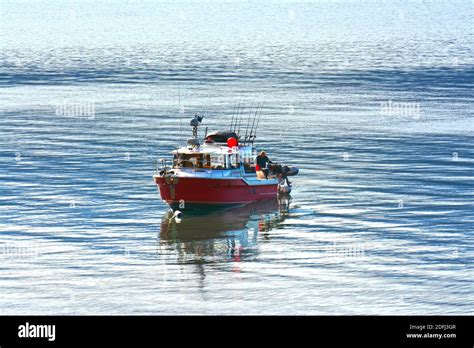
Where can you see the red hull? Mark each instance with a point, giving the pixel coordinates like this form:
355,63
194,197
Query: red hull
213,191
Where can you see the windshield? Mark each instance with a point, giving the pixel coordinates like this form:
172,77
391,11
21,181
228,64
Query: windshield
206,161
198,161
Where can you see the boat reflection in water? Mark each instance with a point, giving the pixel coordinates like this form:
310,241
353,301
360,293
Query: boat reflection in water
220,235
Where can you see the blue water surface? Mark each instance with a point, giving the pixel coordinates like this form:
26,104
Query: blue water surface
381,216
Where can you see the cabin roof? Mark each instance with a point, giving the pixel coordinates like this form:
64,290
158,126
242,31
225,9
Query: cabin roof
222,136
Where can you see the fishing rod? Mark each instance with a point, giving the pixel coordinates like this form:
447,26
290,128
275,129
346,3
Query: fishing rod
253,123
258,122
240,119
235,117
247,127
232,121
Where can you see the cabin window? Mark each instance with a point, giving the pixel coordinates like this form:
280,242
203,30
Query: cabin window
248,158
234,161
184,160
217,162
205,161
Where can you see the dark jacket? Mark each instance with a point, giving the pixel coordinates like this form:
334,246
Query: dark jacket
262,161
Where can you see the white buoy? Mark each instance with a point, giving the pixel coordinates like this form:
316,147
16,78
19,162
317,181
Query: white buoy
177,216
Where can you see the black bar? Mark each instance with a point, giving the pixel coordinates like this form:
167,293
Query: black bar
195,330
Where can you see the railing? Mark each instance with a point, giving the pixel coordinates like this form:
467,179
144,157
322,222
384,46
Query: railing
163,167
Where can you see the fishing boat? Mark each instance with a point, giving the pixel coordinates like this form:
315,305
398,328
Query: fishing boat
220,170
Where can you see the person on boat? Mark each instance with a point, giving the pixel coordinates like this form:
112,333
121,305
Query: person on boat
262,163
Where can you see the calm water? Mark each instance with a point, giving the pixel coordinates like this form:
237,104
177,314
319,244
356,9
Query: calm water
381,216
